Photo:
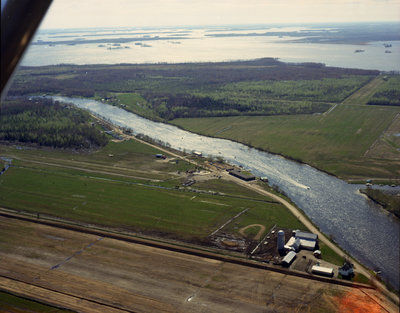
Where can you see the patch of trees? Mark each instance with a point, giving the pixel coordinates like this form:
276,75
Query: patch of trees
389,201
42,122
259,87
179,78
386,97
171,106
388,93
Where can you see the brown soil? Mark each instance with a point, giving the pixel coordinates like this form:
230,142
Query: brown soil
97,274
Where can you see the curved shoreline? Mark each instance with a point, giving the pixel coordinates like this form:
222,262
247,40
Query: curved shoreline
253,147
163,128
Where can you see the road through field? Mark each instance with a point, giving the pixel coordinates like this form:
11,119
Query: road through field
362,95
296,212
303,219
117,276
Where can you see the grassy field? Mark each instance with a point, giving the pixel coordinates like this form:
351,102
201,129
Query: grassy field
389,201
388,92
335,142
168,91
364,94
127,157
96,188
11,303
382,90
324,90
135,103
126,205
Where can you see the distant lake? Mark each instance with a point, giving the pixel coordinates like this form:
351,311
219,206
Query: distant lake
181,45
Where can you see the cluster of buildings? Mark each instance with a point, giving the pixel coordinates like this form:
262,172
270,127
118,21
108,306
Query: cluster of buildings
301,240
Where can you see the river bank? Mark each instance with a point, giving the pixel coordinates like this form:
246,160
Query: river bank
330,203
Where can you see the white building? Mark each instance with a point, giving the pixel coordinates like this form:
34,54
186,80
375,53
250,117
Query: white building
289,258
323,271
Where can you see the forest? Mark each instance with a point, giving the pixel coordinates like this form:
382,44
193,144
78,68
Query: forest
42,122
168,91
387,94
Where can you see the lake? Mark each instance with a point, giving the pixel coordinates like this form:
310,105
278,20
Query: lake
204,44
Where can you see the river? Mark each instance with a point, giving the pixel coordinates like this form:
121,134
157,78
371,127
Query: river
359,226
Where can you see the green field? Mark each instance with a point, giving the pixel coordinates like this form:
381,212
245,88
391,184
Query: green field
388,93
329,90
335,142
383,90
135,103
388,200
103,190
126,205
11,303
168,91
127,157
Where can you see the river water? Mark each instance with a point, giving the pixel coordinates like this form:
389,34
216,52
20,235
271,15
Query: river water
359,226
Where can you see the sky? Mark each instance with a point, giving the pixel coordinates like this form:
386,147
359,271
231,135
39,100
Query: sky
141,13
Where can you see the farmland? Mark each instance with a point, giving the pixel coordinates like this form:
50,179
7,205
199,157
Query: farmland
11,303
343,121
346,142
133,201
123,188
109,275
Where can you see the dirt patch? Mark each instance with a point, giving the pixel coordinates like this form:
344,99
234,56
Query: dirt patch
132,277
259,234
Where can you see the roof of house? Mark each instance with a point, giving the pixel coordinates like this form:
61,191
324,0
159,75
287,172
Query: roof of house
321,269
289,257
305,235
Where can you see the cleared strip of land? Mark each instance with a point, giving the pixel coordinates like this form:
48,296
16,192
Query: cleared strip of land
362,95
335,142
138,278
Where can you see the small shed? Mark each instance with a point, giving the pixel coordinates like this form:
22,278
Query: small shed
289,258
323,271
308,241
294,244
306,236
307,244
317,254
241,175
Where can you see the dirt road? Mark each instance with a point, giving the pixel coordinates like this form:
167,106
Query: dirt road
303,219
300,216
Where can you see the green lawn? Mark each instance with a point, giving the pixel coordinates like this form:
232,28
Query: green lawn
11,303
329,255
135,103
228,187
326,89
335,142
121,204
132,156
268,216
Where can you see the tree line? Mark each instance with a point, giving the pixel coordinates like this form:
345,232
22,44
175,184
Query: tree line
40,121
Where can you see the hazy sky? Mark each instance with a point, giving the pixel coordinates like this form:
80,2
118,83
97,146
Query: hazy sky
114,13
